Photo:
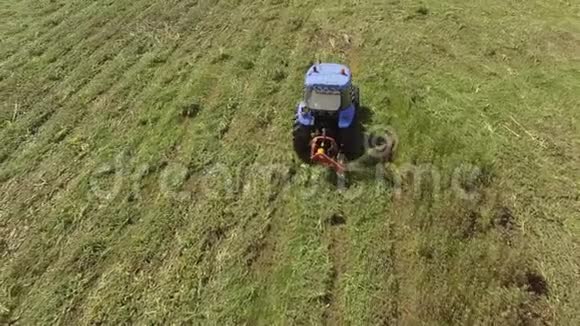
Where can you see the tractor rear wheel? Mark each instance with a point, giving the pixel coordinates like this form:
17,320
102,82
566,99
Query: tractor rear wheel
351,140
356,97
301,136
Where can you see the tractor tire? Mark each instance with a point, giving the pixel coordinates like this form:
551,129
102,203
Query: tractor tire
351,139
356,97
301,136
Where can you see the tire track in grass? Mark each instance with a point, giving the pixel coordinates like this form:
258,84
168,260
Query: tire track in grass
386,306
261,252
337,242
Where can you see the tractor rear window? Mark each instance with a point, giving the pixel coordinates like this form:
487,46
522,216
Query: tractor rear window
323,101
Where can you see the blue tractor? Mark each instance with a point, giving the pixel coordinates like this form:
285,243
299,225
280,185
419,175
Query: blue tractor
326,129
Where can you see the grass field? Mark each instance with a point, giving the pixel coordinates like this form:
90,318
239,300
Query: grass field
147,173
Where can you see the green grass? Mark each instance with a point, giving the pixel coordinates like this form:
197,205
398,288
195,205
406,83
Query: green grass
147,176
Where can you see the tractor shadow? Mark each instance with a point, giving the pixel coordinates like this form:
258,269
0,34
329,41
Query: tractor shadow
375,147
364,118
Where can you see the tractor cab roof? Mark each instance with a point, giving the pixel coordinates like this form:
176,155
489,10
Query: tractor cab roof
328,75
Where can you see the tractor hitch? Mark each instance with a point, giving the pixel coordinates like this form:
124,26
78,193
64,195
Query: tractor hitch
324,151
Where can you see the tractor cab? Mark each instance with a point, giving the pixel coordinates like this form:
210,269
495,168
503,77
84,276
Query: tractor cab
325,86
328,95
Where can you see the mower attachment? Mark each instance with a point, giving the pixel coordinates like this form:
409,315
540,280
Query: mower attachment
324,150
